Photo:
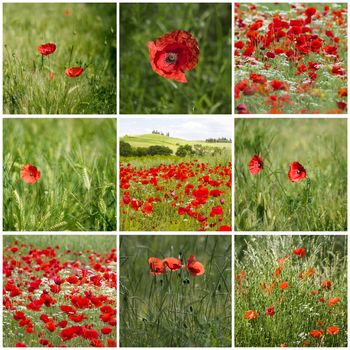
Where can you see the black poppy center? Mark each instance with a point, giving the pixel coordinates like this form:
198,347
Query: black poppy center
171,58
31,174
259,165
298,171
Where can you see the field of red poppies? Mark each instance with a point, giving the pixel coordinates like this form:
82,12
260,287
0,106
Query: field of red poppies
290,58
189,195
291,291
59,291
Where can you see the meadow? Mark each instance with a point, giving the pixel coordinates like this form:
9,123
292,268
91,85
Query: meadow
84,35
209,86
172,193
59,291
77,187
291,58
269,200
291,291
175,308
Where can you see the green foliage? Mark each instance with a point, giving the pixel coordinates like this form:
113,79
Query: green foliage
208,90
268,201
77,188
175,309
125,149
297,311
185,150
85,34
159,150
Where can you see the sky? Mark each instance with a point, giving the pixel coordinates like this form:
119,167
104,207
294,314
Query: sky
189,128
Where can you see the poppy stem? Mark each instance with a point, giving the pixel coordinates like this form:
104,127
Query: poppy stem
70,55
42,62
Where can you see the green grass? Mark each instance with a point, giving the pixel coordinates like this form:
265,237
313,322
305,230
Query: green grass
171,142
297,312
163,311
86,36
77,188
81,247
268,201
208,90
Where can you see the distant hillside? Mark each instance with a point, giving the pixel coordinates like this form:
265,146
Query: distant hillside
161,140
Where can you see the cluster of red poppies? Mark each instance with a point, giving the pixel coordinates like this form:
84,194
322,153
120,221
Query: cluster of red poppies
305,45
296,171
50,48
159,266
53,291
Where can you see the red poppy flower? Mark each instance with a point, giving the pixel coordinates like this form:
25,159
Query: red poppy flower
270,311
21,345
74,72
326,284
156,266
51,326
296,172
310,11
316,333
332,330
195,267
242,109
47,49
106,330
224,228
250,315
333,301
173,54
172,263
300,252
30,174
256,164
283,285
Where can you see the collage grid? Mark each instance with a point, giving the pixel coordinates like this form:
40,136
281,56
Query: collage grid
170,240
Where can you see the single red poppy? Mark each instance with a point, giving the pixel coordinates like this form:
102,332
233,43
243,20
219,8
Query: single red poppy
194,267
172,263
30,174
250,315
47,49
316,333
300,252
283,285
296,172
256,164
310,11
106,330
74,72
326,284
270,311
173,54
332,330
156,266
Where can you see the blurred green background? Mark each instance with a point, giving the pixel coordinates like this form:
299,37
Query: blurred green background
208,90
